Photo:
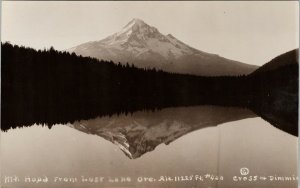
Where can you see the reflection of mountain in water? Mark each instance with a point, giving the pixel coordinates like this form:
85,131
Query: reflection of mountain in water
141,132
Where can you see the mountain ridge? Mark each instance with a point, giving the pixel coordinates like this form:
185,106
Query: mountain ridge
144,46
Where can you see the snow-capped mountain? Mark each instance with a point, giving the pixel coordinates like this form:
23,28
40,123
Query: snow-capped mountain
144,46
142,132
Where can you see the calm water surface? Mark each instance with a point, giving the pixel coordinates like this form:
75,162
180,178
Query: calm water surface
171,142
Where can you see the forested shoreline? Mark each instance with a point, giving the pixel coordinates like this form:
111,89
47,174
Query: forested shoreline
50,86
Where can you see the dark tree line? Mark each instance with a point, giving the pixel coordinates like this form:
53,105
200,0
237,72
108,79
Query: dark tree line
49,86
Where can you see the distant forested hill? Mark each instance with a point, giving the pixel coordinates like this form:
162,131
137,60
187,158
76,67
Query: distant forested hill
276,91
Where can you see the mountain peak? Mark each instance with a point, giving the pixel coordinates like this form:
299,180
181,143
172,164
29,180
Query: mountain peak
135,30
137,20
134,21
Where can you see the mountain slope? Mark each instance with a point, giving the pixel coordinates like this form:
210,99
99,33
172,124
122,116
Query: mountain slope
286,59
145,47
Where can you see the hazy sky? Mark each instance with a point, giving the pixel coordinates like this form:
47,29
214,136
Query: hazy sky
251,32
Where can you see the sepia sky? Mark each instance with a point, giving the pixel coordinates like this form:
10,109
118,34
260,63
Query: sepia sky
250,32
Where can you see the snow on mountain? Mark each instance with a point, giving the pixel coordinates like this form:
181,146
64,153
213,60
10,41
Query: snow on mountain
144,46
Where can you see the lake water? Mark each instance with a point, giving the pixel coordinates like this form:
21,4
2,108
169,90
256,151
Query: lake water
199,142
